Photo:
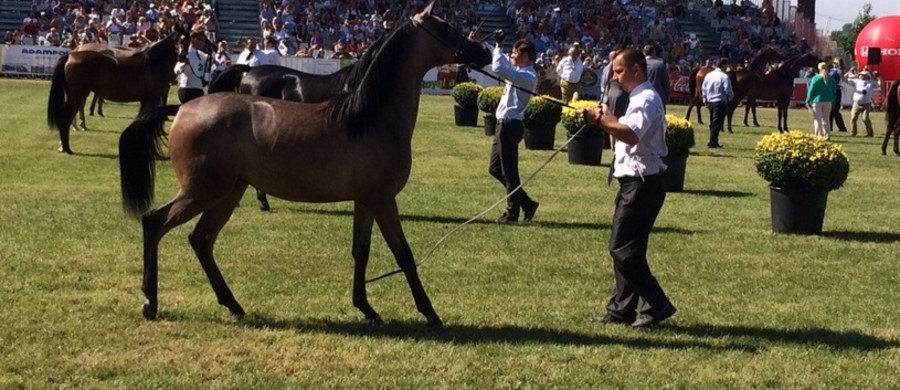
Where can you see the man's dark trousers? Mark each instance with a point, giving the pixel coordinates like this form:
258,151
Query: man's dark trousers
504,165
836,112
717,112
637,205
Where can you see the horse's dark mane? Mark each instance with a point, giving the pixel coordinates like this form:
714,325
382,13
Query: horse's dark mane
374,82
757,62
161,50
359,68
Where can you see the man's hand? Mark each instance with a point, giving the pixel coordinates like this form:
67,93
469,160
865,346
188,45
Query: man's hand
499,36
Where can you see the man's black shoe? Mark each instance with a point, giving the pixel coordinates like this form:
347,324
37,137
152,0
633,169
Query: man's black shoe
508,219
611,319
529,210
651,320
714,146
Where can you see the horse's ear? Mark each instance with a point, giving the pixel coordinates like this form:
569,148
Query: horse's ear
427,10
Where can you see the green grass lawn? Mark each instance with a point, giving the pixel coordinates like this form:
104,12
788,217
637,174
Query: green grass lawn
756,309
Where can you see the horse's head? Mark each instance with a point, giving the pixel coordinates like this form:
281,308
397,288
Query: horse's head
449,44
808,59
163,55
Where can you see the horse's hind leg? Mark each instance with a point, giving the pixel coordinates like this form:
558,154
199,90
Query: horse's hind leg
156,224
203,238
388,219
362,240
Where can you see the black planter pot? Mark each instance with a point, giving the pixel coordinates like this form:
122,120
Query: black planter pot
465,116
490,125
797,211
586,150
540,137
673,177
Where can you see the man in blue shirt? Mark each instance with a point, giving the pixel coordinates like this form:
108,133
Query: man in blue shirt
837,76
517,70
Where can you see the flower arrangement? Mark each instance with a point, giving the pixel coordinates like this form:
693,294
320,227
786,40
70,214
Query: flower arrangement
489,99
542,111
466,94
800,160
679,135
573,122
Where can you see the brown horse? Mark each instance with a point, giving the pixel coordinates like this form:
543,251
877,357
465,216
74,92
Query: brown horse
777,85
144,78
757,66
112,50
893,118
356,146
695,81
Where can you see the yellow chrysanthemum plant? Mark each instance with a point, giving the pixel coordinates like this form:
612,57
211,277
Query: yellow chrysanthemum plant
679,135
489,99
573,122
798,160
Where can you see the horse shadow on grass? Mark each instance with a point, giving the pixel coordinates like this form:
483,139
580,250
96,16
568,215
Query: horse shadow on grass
107,156
477,335
705,336
460,220
718,193
814,337
873,237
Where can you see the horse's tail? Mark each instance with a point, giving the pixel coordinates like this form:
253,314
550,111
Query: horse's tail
893,106
139,146
229,79
56,104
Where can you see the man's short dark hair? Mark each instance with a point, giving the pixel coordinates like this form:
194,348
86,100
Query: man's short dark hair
632,57
525,46
722,62
649,50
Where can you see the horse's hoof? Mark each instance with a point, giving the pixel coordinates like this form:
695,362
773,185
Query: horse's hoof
435,323
149,311
375,321
65,150
237,311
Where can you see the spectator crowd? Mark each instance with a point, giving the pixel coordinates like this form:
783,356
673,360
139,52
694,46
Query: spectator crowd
346,28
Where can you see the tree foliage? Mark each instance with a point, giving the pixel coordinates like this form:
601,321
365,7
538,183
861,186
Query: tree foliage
846,37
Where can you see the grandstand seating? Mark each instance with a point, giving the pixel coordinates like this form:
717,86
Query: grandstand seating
238,19
12,12
708,37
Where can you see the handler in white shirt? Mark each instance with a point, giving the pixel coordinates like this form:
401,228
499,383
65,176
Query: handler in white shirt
252,56
863,87
192,69
570,69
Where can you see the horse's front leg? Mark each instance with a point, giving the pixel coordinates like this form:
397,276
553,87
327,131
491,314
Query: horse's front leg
897,141
362,241
388,219
755,122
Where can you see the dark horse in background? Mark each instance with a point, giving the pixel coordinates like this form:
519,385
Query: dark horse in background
353,147
144,77
893,118
280,82
695,82
777,85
